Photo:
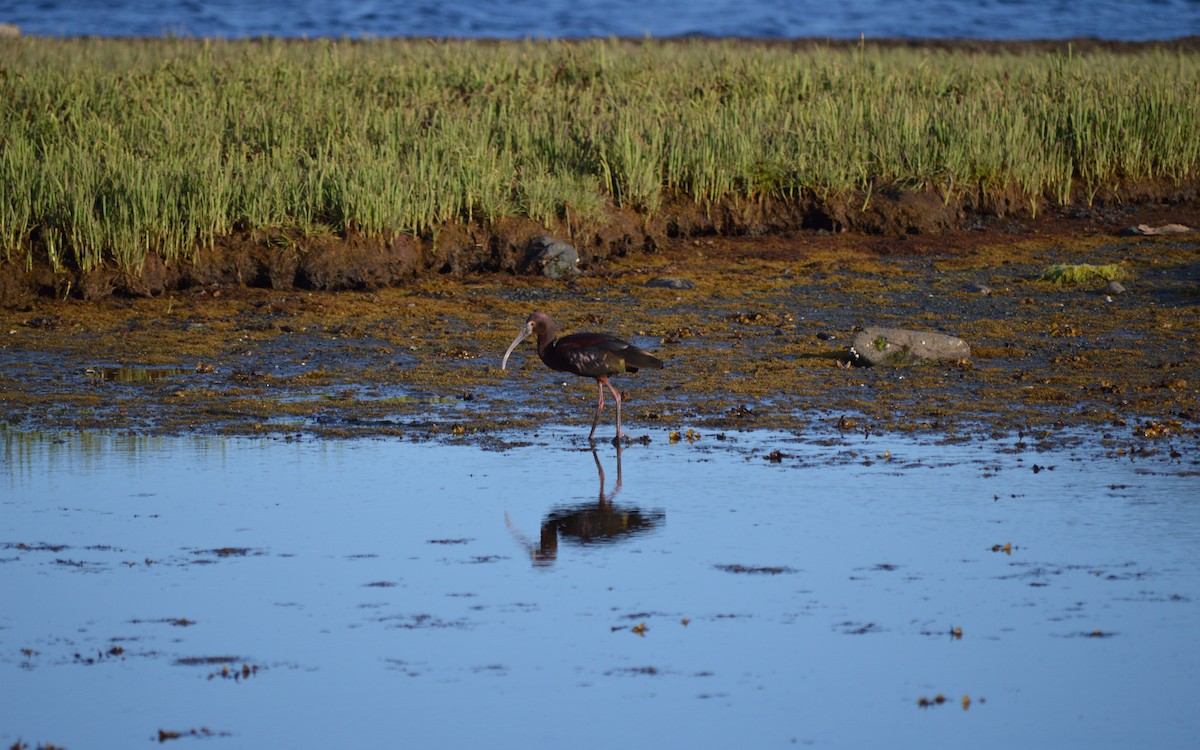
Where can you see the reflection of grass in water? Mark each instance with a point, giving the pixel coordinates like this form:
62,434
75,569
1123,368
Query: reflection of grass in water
1066,273
119,148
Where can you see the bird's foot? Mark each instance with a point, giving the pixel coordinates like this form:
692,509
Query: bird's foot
624,439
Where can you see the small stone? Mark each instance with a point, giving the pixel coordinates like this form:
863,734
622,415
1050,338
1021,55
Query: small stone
897,346
1148,231
979,289
552,258
1114,287
671,282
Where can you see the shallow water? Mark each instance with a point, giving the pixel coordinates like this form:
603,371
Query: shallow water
382,591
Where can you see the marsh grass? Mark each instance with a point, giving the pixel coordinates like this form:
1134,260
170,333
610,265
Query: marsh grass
112,149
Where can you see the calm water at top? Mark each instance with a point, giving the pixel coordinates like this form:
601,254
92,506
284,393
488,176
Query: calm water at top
978,19
265,593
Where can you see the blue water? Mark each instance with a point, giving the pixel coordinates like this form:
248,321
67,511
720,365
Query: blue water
383,593
517,19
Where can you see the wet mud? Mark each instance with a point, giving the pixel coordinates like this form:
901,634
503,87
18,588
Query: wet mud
759,342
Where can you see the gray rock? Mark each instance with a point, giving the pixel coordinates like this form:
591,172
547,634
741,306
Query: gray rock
1114,287
552,258
670,282
1149,231
897,346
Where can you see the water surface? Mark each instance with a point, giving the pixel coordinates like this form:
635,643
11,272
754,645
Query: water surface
521,19
305,593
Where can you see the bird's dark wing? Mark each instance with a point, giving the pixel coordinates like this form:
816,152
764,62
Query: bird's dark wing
595,355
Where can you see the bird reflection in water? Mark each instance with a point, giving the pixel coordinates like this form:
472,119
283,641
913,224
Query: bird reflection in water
599,522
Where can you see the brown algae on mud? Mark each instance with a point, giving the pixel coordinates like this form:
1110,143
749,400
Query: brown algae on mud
758,342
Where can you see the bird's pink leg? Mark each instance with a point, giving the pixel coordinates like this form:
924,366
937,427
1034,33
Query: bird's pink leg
599,406
616,397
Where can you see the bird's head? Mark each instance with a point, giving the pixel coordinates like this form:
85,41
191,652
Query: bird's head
539,324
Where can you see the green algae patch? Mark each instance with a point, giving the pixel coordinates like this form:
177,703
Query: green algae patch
1083,273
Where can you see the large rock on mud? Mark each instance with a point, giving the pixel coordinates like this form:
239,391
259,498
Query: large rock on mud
873,347
551,258
1148,231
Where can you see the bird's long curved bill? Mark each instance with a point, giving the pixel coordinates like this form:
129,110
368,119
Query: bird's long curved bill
528,329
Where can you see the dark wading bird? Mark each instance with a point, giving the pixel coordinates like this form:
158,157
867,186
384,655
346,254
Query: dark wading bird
592,355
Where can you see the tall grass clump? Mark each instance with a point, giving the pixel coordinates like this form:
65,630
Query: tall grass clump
113,149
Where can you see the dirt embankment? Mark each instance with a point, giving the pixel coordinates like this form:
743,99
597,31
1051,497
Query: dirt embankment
286,260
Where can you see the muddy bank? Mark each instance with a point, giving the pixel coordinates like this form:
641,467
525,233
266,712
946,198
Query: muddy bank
758,341
284,260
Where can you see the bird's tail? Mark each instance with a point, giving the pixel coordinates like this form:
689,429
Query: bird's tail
636,359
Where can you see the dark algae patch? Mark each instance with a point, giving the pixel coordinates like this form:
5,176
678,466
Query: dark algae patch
758,342
166,735
770,570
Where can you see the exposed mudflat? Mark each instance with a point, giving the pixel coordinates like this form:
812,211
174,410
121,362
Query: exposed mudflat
759,342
